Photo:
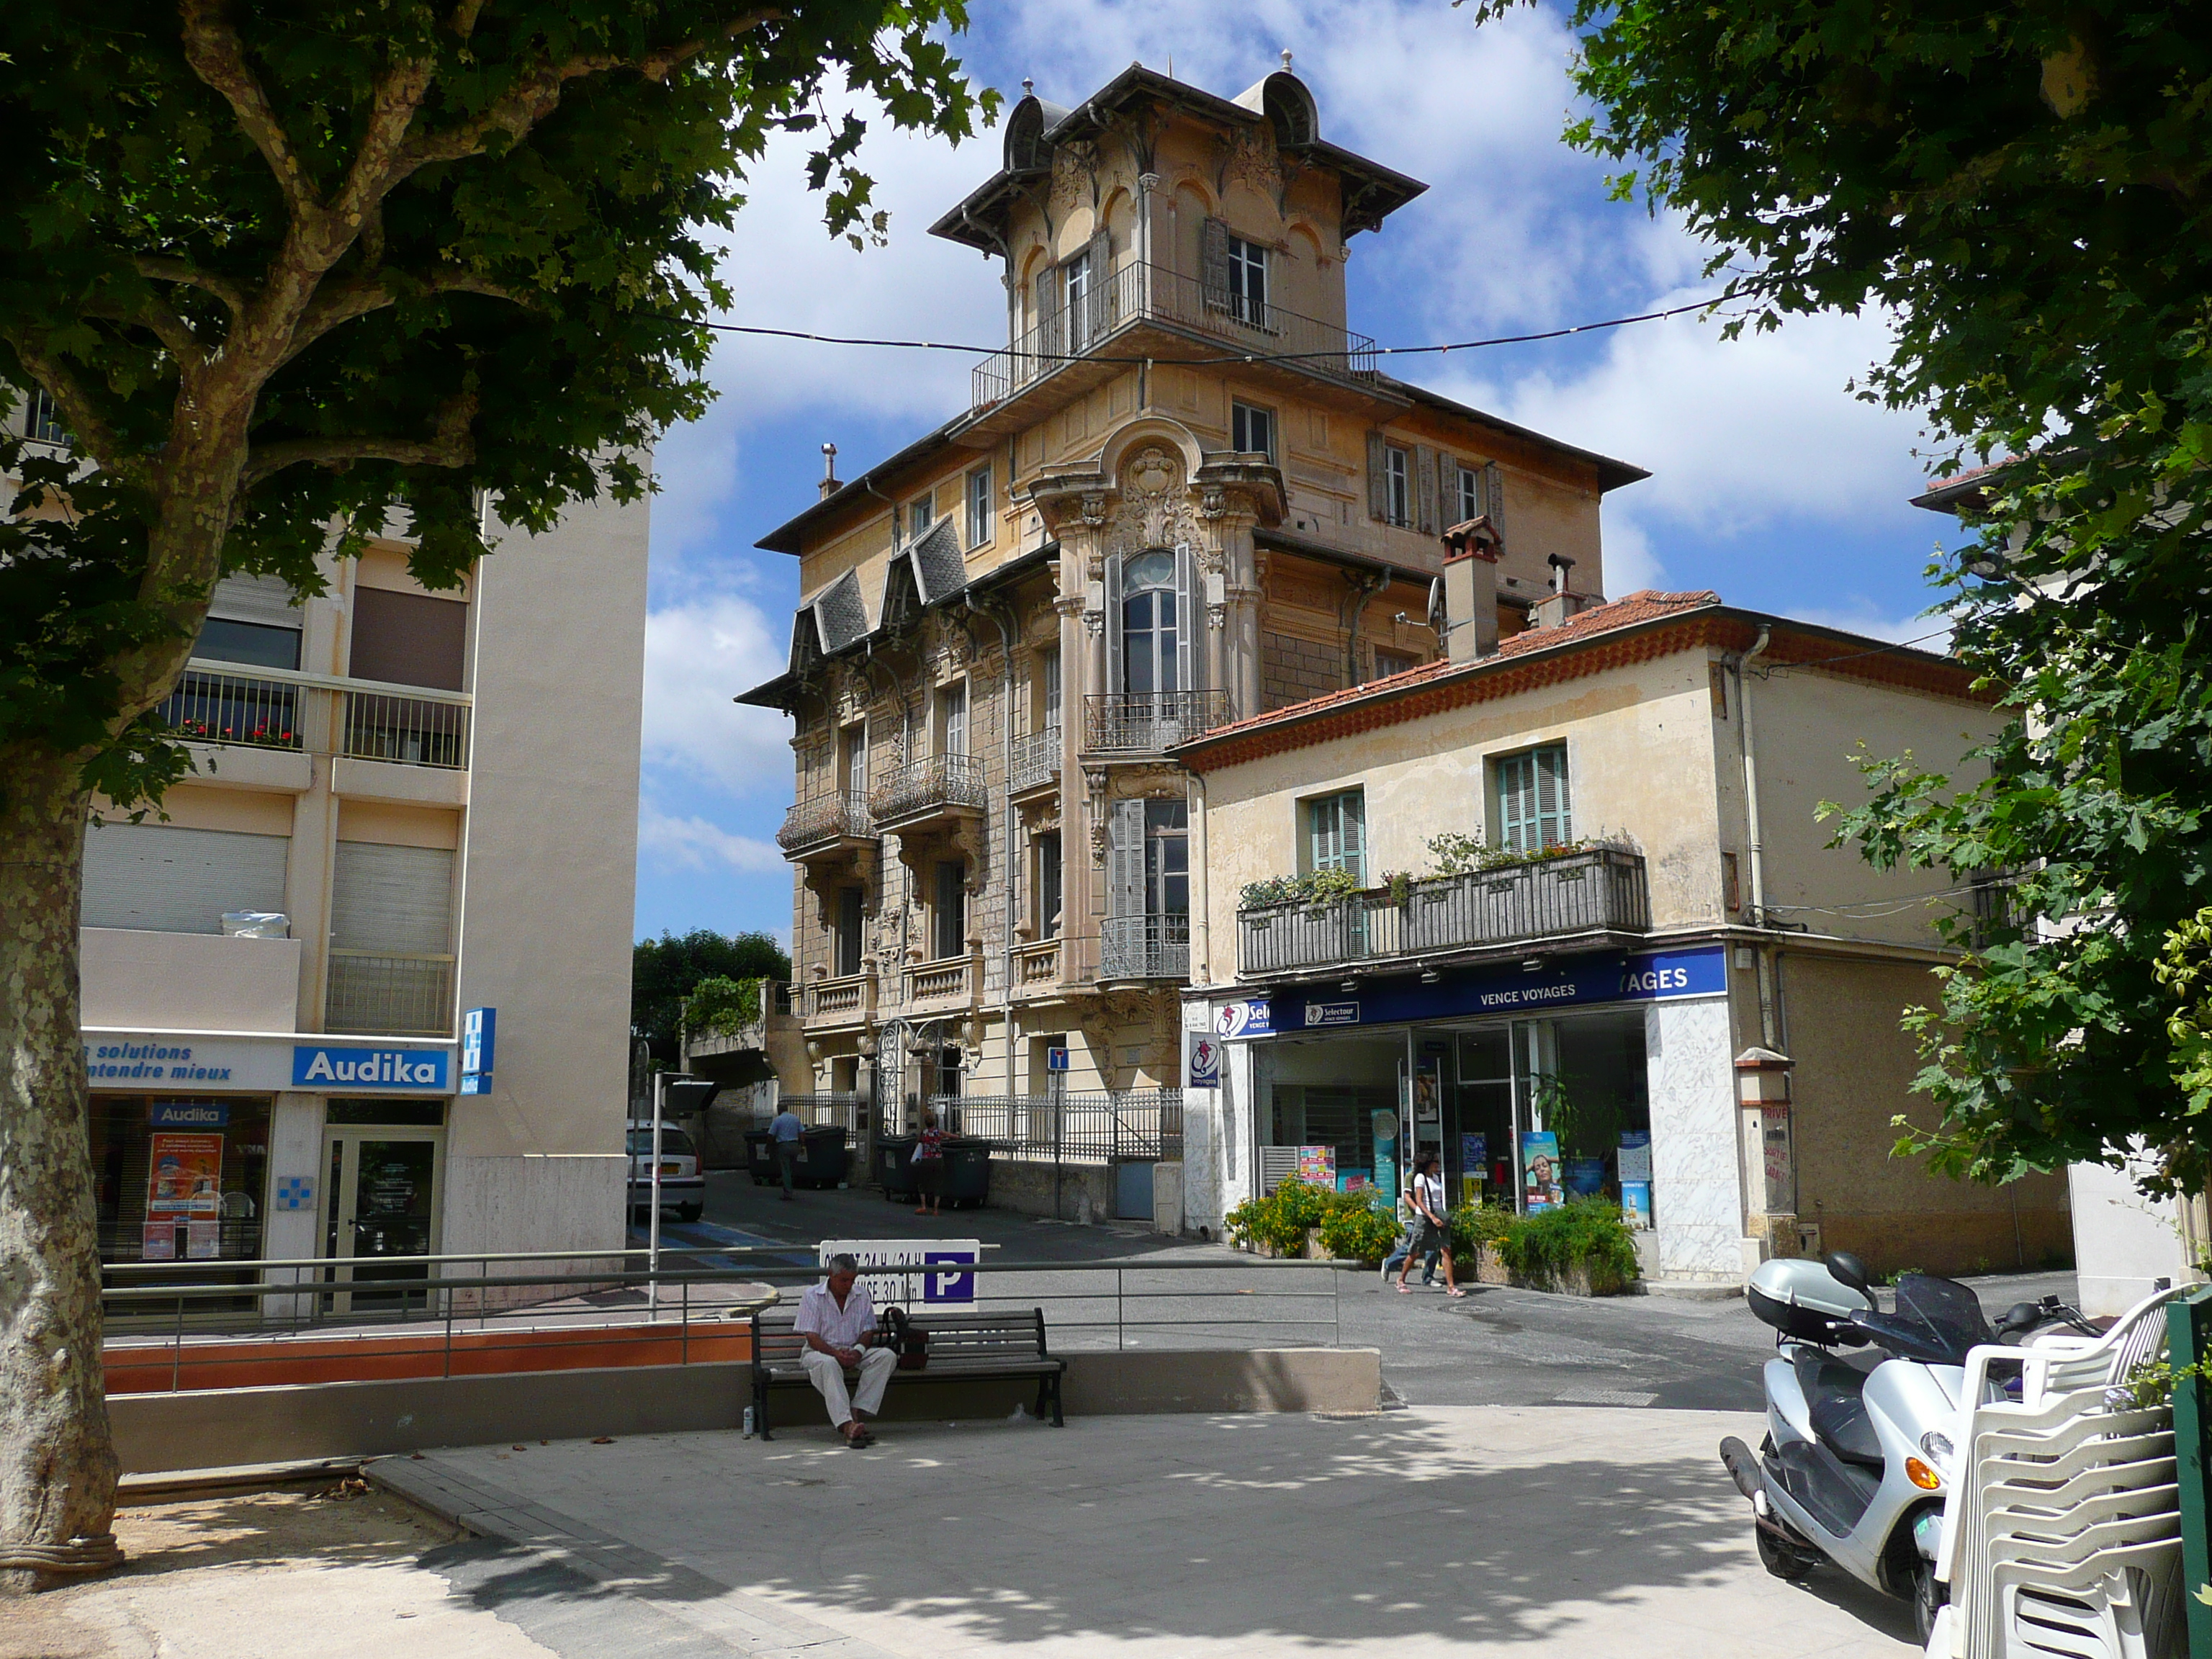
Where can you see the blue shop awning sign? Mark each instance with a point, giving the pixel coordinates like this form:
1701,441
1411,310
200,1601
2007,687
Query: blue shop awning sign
317,1066
1567,983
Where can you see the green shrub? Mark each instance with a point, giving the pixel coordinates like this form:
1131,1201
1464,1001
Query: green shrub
1479,1224
1314,887
1359,1227
1584,1232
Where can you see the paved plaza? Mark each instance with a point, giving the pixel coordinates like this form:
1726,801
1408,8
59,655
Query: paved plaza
1428,1531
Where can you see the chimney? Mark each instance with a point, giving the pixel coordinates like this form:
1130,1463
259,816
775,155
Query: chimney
1470,590
1558,604
829,485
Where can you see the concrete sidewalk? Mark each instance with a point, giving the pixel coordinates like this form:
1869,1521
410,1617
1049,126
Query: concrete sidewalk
1437,1530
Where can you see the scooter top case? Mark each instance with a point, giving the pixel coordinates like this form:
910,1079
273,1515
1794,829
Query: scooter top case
1806,1302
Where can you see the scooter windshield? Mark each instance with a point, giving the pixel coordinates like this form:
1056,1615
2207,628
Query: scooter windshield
1946,1311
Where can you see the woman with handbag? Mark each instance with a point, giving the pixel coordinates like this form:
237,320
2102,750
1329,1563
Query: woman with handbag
929,1165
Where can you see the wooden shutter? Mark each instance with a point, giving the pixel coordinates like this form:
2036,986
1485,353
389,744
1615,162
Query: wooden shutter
1213,263
1187,654
1493,491
408,639
1352,834
1424,490
1378,477
395,900
1101,297
162,879
1125,860
1044,310
1115,677
1554,810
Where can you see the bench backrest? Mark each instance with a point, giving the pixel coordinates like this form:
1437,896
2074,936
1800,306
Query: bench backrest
1018,1334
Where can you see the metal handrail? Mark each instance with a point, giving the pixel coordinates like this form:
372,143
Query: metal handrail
1147,722
1036,759
938,781
821,818
329,681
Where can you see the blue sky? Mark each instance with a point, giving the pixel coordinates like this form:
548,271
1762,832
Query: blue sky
1772,483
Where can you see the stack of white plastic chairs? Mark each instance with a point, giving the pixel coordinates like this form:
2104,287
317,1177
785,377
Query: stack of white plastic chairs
2061,1529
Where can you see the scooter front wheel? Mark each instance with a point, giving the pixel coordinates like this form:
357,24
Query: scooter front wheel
1783,1559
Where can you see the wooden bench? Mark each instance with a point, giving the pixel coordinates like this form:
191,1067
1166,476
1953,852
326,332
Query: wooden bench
963,1346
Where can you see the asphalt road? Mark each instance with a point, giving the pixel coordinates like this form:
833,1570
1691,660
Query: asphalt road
1496,1346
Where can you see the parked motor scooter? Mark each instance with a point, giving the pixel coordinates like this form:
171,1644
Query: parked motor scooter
1857,1453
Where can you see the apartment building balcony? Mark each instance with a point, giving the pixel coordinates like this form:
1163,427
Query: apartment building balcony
1153,312
929,793
1144,947
373,994
277,708
1035,763
829,827
1136,723
950,982
849,999
1586,896
1036,968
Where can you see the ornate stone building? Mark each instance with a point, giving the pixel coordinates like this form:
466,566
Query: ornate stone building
1184,495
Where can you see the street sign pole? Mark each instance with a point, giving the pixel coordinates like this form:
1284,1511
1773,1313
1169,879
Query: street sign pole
652,1223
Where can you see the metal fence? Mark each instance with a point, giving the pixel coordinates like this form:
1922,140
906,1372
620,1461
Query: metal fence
171,1330
1144,947
1599,890
826,818
210,706
416,730
1127,1125
1146,722
1037,760
1140,293
922,784
375,995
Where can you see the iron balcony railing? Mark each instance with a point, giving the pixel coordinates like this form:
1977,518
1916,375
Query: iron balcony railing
930,785
1601,889
1146,722
1037,760
376,993
826,818
1144,947
1127,1125
414,730
1153,294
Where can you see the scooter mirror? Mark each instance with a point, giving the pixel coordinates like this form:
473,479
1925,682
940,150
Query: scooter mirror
1848,1269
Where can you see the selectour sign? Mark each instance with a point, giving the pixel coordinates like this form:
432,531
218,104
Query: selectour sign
1562,982
314,1066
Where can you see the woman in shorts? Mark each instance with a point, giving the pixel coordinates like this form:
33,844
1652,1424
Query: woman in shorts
1428,1230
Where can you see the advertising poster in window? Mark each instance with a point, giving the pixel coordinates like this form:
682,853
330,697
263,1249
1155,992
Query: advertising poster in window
1473,1166
1317,1165
1384,1126
1542,1184
183,1177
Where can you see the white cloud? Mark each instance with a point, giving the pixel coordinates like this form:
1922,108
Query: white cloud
1924,633
698,657
696,843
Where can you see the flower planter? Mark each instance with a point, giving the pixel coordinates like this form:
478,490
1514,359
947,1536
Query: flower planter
1490,1267
1577,1281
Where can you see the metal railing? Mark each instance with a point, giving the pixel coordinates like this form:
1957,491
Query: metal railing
937,982
1146,722
835,1109
513,1315
826,818
1597,891
841,998
924,786
1037,760
1124,1125
214,706
1144,947
374,993
1140,293
416,731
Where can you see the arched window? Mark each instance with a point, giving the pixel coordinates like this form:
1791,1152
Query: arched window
1151,625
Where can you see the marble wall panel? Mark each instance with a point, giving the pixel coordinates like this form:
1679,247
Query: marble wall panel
1697,1199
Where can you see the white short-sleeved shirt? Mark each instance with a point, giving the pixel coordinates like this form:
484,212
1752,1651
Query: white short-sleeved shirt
1432,1189
841,1328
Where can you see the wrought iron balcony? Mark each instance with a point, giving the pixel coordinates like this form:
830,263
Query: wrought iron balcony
1037,760
1139,294
1144,947
1596,890
924,788
825,822
1146,722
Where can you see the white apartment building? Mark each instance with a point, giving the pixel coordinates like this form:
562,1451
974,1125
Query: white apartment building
406,805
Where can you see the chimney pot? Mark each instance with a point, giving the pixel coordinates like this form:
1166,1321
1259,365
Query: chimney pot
829,485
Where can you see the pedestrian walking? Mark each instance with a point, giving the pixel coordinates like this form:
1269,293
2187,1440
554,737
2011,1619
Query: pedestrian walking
786,1128
837,1317
929,1165
1404,1248
1428,1230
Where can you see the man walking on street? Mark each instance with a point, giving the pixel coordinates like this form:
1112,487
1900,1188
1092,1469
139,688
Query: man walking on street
1428,1233
838,1320
786,1127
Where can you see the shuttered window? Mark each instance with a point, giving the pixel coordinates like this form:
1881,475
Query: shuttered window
952,718
1248,281
1534,807
165,879
949,923
1167,858
1336,834
1125,860
978,506
1047,884
1469,480
408,639
393,900
848,931
1252,430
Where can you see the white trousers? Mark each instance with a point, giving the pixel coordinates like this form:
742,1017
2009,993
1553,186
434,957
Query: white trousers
828,1377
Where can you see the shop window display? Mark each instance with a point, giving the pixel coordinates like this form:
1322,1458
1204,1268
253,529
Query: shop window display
178,1178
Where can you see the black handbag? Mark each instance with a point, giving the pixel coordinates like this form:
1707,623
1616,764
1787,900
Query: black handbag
895,1331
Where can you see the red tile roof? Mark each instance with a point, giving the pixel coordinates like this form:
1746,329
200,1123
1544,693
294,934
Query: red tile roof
1647,604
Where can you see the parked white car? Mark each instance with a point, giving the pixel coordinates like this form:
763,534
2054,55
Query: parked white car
683,1187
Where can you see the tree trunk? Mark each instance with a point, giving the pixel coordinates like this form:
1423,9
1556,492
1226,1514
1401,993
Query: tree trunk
57,1467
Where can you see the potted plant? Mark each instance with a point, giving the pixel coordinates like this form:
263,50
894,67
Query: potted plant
1582,1248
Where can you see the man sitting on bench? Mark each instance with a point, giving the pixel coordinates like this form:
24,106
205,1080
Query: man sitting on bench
838,1321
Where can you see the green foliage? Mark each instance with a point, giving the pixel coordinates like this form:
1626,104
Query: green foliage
1474,1225
722,1004
1583,1232
2025,193
664,971
1456,853
1314,887
1401,885
284,266
1349,1222
1358,1228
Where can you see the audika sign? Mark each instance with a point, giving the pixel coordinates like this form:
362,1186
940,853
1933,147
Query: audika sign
317,1067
